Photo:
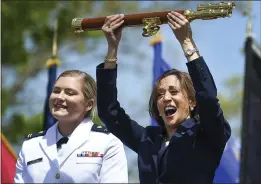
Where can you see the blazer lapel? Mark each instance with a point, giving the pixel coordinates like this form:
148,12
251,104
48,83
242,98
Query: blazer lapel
188,128
48,145
155,137
155,151
79,136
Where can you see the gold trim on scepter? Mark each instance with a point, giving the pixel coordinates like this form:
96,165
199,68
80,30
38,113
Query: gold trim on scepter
211,11
151,21
77,25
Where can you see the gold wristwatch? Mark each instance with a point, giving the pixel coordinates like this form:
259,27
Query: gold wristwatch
190,52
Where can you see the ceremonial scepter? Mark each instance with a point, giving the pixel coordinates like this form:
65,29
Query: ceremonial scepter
151,21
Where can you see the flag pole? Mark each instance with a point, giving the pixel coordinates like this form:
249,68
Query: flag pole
249,22
54,53
51,64
8,146
54,59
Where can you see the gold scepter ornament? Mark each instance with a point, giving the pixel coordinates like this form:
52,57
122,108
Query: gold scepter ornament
153,20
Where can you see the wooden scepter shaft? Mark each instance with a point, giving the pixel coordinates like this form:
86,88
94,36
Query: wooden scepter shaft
153,19
88,24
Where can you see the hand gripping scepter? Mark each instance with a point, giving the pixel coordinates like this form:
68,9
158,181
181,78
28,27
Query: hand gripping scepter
151,21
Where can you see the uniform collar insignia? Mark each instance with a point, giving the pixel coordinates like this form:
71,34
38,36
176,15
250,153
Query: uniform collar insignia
99,128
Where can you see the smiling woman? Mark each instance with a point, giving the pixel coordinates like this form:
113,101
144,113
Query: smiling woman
173,94
188,144
79,90
74,150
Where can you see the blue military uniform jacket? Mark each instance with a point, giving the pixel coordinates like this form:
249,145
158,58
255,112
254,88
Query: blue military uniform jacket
194,151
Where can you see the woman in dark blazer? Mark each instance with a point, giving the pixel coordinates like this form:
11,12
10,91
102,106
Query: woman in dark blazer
188,144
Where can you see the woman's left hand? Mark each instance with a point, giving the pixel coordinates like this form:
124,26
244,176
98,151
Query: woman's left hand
112,29
180,27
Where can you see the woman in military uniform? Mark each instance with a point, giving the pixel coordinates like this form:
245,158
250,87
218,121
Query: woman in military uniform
74,150
188,144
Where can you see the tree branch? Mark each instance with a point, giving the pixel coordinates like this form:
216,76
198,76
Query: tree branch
36,65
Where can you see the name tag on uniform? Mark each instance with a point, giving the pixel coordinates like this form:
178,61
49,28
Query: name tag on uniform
35,161
90,154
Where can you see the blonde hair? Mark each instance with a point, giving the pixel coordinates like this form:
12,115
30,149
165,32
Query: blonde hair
89,88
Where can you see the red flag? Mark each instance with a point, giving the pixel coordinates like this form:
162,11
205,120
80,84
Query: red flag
8,161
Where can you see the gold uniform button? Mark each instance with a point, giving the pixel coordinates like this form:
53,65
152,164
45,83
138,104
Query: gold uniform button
57,175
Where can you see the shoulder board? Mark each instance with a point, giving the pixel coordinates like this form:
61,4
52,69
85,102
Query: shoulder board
99,128
30,136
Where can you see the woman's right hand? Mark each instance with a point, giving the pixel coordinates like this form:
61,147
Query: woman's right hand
112,29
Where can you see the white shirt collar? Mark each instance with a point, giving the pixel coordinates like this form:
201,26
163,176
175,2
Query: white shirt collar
59,135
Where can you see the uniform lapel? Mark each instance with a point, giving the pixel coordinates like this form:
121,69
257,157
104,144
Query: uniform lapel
48,145
79,136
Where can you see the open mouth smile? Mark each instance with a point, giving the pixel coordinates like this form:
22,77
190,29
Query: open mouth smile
60,106
170,110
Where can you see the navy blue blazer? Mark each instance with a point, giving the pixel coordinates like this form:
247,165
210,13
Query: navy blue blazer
194,151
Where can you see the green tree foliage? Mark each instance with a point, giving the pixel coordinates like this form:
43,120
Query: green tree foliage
32,23
27,33
20,125
27,44
232,100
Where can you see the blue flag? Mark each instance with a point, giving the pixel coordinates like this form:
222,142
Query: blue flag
159,65
49,120
228,170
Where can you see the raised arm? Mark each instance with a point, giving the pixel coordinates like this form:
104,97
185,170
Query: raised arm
109,109
212,120
211,116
